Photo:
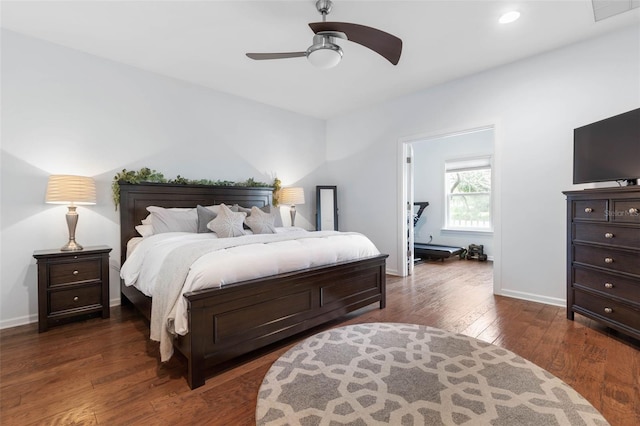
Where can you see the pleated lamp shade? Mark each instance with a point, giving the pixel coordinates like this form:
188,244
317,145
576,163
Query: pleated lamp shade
68,189
291,196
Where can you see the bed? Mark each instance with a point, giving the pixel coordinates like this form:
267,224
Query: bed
237,319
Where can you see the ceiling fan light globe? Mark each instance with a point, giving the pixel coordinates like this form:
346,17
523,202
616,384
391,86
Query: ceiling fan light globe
324,56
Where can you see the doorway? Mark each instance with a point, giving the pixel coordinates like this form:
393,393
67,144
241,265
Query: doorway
422,179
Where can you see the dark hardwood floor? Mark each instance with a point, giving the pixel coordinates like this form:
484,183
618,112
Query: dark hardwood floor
107,372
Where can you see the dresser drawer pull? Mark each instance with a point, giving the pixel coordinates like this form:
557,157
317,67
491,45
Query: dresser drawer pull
588,210
75,272
608,285
608,310
608,235
608,260
75,299
633,210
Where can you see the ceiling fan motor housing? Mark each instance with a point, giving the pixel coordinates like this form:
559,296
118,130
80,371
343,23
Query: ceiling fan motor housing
324,53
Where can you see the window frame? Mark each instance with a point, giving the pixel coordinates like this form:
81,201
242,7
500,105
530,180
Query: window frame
482,162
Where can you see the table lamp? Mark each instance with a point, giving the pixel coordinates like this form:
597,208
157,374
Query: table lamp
292,196
71,190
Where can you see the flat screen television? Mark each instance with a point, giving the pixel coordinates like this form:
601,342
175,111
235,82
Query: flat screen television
608,150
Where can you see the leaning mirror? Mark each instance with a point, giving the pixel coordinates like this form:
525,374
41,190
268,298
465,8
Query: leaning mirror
326,208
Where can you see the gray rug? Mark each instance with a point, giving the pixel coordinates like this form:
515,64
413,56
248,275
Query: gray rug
405,374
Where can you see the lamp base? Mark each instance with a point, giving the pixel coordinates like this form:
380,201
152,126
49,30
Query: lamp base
72,221
71,246
292,212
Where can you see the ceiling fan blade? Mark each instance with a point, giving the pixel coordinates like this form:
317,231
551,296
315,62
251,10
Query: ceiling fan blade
262,56
387,45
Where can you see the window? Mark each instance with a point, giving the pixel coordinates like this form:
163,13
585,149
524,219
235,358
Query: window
468,194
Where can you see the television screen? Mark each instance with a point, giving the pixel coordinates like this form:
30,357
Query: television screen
608,150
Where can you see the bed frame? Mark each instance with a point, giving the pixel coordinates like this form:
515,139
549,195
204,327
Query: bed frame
237,319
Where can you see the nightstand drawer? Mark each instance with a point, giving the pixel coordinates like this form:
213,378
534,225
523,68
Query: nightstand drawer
614,260
80,270
608,309
609,284
75,298
595,210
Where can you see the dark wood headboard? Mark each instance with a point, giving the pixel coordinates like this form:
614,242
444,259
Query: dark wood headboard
135,198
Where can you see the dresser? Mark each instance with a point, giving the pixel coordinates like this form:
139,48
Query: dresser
72,285
603,256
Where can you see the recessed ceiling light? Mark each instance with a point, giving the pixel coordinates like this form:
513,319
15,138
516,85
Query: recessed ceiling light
509,17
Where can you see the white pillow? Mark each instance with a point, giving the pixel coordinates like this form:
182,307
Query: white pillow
227,223
173,219
261,222
145,230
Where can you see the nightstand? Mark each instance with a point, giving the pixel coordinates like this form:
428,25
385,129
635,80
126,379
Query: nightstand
72,285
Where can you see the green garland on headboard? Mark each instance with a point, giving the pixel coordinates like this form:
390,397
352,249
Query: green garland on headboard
146,174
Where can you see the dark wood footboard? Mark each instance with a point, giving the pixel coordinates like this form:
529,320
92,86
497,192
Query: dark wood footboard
237,319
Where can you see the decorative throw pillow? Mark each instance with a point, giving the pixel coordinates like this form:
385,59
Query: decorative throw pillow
228,223
173,219
205,215
275,211
260,222
267,209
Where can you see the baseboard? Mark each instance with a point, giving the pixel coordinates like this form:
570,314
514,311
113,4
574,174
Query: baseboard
390,271
33,318
533,297
15,322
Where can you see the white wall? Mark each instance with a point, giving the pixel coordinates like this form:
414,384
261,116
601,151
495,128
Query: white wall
68,112
429,157
534,104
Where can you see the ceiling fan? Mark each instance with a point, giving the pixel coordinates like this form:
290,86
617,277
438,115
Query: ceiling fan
325,53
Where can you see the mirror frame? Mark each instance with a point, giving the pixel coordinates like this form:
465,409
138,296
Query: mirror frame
319,190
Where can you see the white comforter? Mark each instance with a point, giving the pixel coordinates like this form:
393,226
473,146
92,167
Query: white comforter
157,266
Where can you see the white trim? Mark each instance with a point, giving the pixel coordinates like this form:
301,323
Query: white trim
554,301
14,322
470,231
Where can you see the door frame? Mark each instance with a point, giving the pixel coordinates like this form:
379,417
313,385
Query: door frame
405,184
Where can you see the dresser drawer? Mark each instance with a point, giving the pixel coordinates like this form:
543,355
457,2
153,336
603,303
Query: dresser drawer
607,234
77,271
625,211
595,210
613,285
608,309
74,298
615,260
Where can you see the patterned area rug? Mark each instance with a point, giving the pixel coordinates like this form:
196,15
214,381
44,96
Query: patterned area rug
405,374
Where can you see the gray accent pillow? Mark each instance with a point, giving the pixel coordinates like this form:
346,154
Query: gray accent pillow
267,209
260,222
205,216
228,223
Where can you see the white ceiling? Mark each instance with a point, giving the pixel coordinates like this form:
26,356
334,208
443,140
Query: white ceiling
204,42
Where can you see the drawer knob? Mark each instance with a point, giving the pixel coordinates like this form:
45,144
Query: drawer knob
608,260
75,299
608,310
75,272
633,210
588,210
608,235
608,285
